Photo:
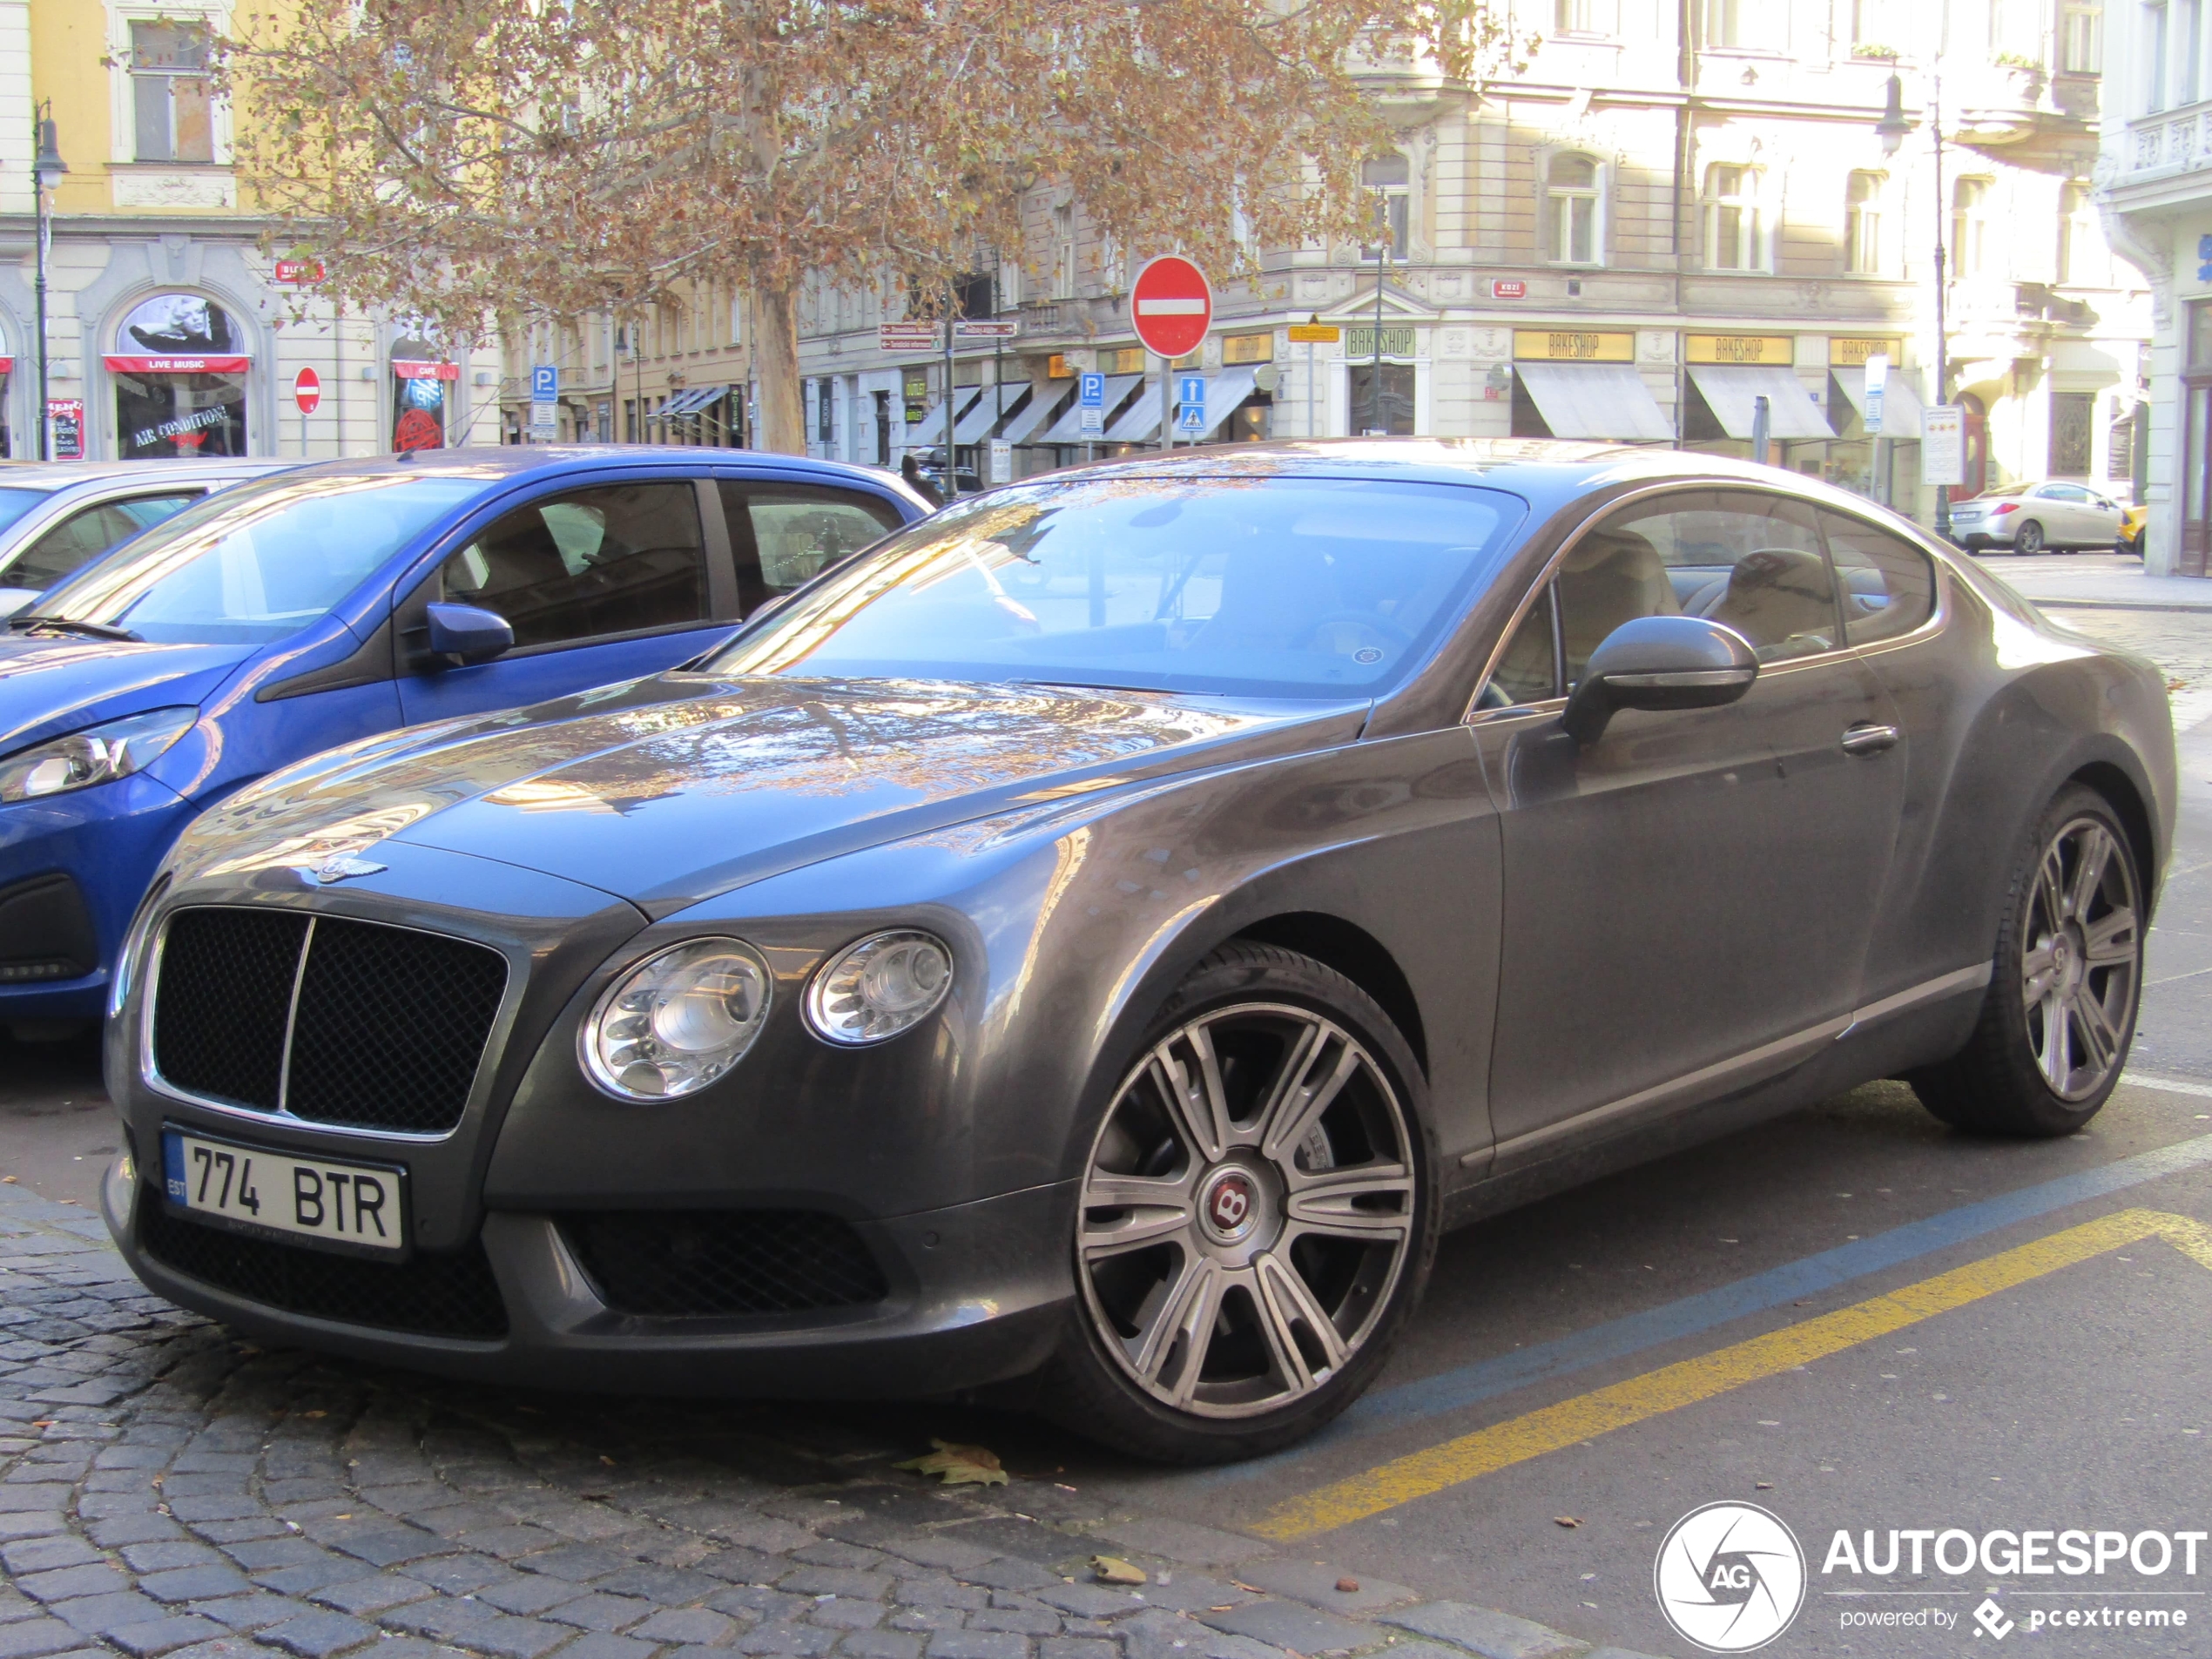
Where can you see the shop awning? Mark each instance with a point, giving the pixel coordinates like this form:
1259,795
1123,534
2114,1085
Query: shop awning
988,411
1594,401
693,402
1728,388
127,365
413,368
1046,401
1901,405
932,428
1141,420
1225,392
1069,428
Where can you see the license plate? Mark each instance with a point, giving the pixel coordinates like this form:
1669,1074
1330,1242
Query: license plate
354,1206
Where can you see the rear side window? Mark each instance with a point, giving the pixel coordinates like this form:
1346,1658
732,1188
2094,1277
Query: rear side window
84,536
1889,586
783,535
589,562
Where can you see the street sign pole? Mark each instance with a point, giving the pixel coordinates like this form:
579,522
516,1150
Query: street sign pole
1171,307
952,466
1167,404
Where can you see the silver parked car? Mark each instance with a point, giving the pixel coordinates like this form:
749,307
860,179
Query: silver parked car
57,515
2031,518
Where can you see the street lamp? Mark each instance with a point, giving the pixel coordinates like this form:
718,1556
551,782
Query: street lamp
1891,129
46,174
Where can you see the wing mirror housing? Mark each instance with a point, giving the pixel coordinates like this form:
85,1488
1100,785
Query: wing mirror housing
1659,662
461,635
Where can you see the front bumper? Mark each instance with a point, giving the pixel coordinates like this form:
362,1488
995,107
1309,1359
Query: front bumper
977,1294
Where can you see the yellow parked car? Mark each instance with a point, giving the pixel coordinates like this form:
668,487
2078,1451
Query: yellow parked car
2131,529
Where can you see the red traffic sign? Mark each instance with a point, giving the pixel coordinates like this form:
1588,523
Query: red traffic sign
1509,288
1171,305
304,271
306,390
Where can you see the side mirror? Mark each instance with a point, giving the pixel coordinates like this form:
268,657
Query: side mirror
1660,662
464,634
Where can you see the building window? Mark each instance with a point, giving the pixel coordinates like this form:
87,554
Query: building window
2073,413
170,92
2156,33
1063,263
2083,262
1734,228
165,411
1741,22
1970,227
1571,203
1390,178
1585,17
1863,223
2081,37
1875,24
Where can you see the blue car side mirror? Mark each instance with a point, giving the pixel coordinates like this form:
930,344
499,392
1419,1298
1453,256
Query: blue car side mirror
464,634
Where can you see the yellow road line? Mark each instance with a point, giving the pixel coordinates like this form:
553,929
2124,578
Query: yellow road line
1573,1421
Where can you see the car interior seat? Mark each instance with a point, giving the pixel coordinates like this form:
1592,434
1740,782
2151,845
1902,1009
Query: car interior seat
1610,578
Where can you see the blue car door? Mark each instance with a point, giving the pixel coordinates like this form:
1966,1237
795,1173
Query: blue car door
602,580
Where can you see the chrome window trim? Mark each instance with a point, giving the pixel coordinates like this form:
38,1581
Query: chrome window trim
1939,613
479,1085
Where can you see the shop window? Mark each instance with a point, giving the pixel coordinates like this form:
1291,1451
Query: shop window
1573,201
1735,226
422,388
2073,415
1381,405
1391,179
171,96
1863,223
179,370
1970,227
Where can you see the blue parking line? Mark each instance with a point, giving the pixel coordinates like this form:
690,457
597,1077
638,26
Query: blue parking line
1465,1385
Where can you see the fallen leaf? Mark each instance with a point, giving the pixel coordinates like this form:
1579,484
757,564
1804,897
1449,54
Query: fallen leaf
1765,1486
1254,1588
1566,1521
347,1516
960,1466
605,1459
1348,1586
1112,1569
315,1413
8,1179
1226,1606
595,1497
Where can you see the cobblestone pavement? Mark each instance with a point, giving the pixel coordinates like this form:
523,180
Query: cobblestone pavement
168,1489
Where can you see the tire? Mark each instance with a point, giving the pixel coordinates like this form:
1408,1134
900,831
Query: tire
1294,1226
2028,538
2066,982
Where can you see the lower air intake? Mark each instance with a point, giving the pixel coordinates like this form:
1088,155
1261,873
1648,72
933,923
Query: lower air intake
676,1263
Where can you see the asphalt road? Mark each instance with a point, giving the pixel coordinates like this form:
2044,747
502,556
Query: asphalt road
1853,1318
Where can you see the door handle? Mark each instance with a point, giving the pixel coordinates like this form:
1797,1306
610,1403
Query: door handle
1867,738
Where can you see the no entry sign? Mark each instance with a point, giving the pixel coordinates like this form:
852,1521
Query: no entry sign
306,390
1171,305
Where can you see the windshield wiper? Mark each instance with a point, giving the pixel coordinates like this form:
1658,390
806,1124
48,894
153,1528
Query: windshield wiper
69,625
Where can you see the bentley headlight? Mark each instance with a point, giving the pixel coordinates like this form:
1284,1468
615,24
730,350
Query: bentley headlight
675,1022
98,754
885,984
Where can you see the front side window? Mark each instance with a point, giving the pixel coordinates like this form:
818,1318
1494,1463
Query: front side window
1258,587
1750,561
1863,223
259,561
1571,210
1527,669
171,98
1735,230
784,535
1888,583
588,563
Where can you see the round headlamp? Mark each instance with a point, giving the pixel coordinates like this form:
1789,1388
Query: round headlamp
675,1022
875,988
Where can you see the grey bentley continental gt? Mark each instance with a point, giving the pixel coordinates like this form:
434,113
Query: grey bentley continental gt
1094,939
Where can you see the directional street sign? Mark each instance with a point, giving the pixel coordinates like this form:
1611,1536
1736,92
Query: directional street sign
1191,393
1171,305
910,337
983,328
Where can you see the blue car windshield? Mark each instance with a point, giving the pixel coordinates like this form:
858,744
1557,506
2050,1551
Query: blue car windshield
1278,588
259,561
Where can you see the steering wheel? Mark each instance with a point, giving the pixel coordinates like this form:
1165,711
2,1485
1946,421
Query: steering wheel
1388,631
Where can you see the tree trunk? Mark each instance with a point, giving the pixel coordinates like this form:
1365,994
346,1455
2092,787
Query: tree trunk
775,359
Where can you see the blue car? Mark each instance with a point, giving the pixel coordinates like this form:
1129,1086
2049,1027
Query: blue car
326,604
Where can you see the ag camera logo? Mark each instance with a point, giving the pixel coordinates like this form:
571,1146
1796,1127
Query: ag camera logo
1729,1577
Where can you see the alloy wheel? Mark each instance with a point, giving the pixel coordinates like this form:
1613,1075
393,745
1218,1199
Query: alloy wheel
1247,1210
2081,955
2029,538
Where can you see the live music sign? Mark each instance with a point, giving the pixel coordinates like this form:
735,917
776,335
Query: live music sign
1171,305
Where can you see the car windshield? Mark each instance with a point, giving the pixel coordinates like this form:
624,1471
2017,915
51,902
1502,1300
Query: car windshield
260,561
14,501
1299,588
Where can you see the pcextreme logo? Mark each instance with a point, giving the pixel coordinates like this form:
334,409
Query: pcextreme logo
1729,1577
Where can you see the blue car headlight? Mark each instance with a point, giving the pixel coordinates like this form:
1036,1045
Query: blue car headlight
98,754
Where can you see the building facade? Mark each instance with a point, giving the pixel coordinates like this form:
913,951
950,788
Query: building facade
169,333
2155,179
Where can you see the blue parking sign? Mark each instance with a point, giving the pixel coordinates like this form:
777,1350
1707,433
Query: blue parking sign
545,383
1090,392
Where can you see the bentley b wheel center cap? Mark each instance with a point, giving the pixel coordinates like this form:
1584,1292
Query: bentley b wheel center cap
1230,1205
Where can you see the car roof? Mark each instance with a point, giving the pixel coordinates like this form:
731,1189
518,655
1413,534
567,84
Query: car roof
59,475
1548,473
515,462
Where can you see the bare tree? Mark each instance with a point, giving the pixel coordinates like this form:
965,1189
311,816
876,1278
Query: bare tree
470,162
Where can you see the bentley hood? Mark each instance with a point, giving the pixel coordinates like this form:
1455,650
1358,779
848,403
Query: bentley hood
669,790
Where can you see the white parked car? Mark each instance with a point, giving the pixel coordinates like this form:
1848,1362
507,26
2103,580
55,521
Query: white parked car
2036,518
56,516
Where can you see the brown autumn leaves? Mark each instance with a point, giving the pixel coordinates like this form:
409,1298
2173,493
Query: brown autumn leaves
481,163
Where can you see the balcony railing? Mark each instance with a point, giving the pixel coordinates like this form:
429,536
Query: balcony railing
2173,141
